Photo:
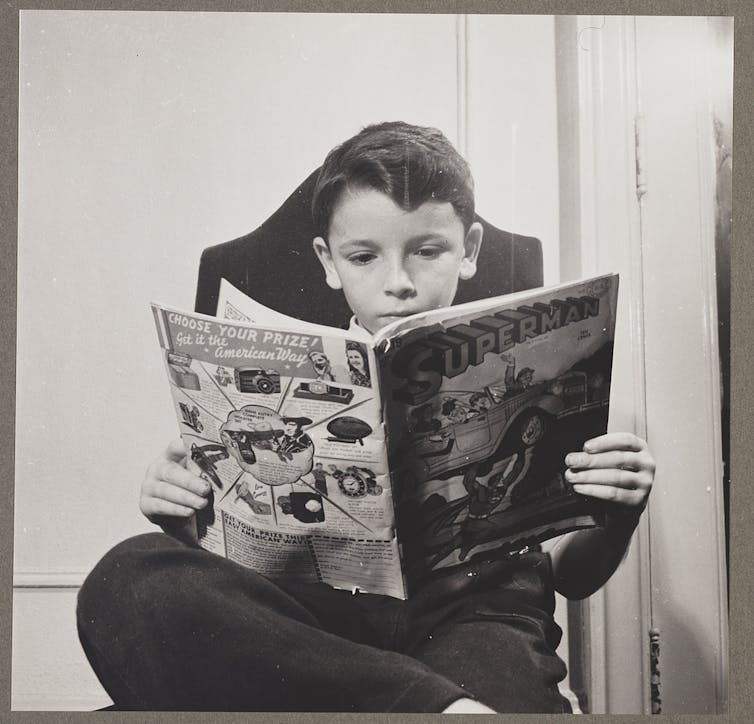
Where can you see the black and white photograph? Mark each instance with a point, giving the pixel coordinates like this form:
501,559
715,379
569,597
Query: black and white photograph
373,362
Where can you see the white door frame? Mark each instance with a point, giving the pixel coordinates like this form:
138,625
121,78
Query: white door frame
628,205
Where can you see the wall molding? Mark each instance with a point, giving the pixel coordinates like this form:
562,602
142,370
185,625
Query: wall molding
45,701
31,578
462,84
601,232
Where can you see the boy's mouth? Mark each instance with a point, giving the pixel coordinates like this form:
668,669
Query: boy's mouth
396,315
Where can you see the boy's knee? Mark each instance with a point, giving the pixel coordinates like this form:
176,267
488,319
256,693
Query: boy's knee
116,581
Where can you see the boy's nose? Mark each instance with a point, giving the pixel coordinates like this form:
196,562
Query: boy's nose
398,282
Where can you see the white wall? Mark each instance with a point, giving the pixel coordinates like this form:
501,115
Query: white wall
145,137
512,127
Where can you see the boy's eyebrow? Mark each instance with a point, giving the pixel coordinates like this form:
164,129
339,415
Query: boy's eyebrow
414,240
358,242
429,236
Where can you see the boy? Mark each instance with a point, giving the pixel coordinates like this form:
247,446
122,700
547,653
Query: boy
167,625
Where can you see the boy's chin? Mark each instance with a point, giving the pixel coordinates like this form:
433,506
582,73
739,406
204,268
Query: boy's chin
375,325
384,321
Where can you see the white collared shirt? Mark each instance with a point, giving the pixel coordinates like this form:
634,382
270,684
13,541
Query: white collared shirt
357,330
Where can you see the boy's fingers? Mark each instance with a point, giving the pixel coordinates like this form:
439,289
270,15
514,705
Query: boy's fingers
618,459
156,508
181,496
615,441
175,451
174,454
606,477
612,494
177,475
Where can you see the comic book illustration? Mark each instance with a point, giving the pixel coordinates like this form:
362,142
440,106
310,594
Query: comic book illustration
371,462
484,403
286,426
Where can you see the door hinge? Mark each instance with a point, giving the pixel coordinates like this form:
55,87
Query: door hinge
654,671
641,180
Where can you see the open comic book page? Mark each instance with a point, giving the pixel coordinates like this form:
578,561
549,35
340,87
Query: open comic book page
484,403
287,428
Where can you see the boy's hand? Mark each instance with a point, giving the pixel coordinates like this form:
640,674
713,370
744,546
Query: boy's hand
170,494
618,468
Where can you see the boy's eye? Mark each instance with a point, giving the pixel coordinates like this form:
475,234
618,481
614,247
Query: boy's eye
363,257
429,252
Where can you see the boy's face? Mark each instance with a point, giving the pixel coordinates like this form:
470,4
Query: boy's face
391,263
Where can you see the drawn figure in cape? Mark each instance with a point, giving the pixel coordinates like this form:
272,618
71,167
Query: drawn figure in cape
516,383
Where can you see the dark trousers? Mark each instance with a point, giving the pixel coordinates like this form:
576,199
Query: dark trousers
171,627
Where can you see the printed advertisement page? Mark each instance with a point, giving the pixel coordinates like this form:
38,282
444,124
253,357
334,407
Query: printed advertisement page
484,402
286,425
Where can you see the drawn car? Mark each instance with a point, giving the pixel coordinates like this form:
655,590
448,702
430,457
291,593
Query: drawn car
241,441
476,434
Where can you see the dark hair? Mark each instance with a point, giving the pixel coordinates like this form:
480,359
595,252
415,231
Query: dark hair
448,406
411,164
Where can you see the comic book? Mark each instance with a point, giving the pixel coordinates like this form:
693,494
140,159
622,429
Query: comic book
373,462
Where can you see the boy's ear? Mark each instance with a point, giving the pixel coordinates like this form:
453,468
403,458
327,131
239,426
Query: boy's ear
471,246
325,259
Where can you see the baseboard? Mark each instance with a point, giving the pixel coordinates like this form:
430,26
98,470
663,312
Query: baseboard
61,578
56,702
49,669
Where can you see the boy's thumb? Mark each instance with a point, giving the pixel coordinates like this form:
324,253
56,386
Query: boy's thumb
175,450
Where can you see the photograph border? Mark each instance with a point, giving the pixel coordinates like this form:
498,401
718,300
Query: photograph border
742,319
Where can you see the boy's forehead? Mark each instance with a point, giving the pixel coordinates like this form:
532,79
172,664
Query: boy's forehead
368,214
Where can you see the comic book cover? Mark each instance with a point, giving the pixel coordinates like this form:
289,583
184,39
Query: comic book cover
370,462
483,403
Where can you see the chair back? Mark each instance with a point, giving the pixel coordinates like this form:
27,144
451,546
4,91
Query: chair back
276,265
